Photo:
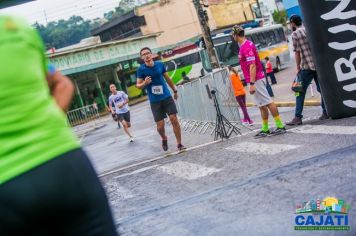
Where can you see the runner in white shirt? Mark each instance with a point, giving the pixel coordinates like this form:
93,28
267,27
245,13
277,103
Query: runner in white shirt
122,112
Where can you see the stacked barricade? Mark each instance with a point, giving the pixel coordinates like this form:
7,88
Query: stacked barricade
83,119
197,111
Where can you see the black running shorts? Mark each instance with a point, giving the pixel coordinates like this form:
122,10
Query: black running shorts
162,108
61,197
124,116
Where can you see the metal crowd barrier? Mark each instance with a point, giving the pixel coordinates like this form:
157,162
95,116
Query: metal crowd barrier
196,110
83,119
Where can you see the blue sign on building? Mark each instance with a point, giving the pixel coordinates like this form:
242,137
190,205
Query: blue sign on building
292,7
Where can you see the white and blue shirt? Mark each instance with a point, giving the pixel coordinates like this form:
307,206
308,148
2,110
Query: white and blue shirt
117,99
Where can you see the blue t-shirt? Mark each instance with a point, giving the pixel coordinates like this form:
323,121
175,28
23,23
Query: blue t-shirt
157,90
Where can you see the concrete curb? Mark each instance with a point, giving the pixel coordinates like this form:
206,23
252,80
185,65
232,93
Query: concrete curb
290,104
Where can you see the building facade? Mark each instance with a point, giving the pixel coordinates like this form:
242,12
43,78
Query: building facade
93,68
161,26
225,13
176,20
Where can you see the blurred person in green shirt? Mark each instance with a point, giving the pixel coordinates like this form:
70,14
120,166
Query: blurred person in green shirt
47,184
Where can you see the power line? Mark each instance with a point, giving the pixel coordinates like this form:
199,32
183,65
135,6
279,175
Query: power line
87,11
94,7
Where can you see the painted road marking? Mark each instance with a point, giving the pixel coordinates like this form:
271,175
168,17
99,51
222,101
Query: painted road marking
118,191
261,148
161,157
325,129
136,171
187,170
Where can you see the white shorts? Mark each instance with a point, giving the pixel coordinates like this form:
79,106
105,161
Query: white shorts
261,95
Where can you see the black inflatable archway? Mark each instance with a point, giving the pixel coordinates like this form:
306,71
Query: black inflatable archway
331,28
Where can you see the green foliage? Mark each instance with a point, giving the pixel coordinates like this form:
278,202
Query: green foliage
118,12
280,17
63,33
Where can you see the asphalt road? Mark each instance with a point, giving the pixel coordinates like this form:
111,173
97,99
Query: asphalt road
243,186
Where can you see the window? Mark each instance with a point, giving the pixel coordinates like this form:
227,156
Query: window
279,39
281,34
183,61
255,39
224,39
271,38
205,61
227,53
261,40
169,65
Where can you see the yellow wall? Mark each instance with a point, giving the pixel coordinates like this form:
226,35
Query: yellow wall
231,12
176,19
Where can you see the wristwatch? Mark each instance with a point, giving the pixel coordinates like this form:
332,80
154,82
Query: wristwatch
252,83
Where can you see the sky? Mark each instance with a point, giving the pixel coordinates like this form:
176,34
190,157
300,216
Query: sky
44,11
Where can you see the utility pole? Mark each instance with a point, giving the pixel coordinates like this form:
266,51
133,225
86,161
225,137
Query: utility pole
45,15
259,7
203,20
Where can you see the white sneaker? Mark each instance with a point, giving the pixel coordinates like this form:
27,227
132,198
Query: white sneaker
131,139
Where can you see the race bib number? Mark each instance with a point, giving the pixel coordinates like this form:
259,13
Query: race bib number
157,90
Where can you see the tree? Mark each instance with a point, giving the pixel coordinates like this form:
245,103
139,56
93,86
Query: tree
63,33
119,11
280,17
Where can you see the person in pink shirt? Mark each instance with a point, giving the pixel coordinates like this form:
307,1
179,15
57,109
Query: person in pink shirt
269,71
253,71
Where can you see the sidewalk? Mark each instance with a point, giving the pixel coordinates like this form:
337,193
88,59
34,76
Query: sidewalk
241,185
283,95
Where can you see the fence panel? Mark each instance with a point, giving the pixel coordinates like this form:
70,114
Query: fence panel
194,103
83,119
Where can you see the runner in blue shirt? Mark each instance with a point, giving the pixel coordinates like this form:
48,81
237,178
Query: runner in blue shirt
153,77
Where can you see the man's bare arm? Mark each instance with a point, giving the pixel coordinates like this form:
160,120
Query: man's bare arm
253,73
298,59
169,81
141,83
62,89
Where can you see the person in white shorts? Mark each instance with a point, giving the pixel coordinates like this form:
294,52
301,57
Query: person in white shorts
253,71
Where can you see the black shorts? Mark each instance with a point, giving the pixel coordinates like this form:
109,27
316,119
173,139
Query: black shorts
162,108
124,116
114,117
61,197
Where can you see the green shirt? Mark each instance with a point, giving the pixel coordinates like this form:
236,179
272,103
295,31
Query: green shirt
33,129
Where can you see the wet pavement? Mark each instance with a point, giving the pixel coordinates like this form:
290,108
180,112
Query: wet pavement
109,147
242,186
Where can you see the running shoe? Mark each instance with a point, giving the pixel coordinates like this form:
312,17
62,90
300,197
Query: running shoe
244,122
262,134
279,131
131,139
181,147
165,144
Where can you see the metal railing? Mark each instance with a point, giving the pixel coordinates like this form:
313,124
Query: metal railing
197,111
83,119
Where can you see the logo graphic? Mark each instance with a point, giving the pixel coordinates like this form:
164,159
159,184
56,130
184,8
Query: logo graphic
328,214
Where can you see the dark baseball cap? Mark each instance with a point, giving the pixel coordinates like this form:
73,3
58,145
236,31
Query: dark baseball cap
296,19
